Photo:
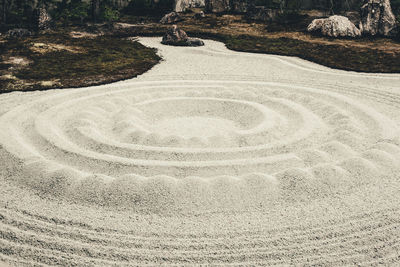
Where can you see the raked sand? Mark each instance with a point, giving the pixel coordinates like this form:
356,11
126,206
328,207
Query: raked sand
212,157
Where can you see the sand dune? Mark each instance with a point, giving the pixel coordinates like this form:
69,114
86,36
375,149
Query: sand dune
212,157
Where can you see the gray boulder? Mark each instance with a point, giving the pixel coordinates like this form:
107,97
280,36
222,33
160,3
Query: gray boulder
195,42
174,36
177,37
17,33
377,18
170,18
182,5
334,26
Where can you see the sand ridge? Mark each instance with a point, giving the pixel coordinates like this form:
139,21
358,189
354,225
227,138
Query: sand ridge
213,156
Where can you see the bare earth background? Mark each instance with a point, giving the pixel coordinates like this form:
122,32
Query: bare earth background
213,157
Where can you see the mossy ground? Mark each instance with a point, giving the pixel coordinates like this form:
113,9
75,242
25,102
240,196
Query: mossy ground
74,62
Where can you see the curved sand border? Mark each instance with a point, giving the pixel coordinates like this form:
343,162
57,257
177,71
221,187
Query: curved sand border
211,157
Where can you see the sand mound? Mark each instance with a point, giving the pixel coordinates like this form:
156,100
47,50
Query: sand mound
220,159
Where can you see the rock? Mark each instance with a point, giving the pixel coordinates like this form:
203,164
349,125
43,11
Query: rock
171,18
175,35
178,37
377,18
195,42
42,19
17,33
218,6
334,26
261,13
315,25
199,15
182,5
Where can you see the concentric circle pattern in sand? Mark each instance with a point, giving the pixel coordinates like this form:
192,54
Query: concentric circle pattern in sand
202,171
197,135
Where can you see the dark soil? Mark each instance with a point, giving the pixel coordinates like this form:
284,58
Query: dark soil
334,56
83,62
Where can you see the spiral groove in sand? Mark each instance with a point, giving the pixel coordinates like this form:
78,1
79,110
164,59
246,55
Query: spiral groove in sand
248,170
173,133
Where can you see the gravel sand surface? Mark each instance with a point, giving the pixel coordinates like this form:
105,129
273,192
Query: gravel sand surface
212,157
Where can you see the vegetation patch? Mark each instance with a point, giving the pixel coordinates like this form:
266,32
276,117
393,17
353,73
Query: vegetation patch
335,56
58,60
362,55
